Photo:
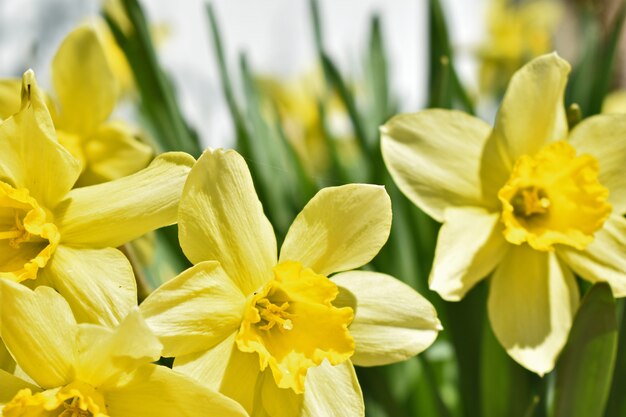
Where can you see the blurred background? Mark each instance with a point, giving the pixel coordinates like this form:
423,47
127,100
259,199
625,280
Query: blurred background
275,34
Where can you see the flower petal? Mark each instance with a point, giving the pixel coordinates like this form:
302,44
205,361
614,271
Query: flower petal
115,212
221,218
98,284
30,156
6,360
603,137
341,228
83,81
112,152
469,246
39,330
10,97
196,310
224,368
11,385
106,354
434,157
332,391
532,112
157,391
276,401
532,301
392,321
603,259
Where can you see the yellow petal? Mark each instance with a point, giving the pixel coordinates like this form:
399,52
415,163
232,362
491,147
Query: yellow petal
196,310
112,152
434,157
341,228
83,81
332,391
221,218
30,156
224,368
531,303
276,401
603,137
603,259
6,360
113,213
107,354
98,284
9,97
11,385
157,391
392,322
40,332
532,112
469,246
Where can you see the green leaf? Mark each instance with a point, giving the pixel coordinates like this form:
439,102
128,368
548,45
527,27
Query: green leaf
507,388
585,369
158,99
464,322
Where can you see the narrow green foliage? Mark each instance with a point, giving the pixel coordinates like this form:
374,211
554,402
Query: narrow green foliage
507,389
446,89
158,99
585,369
593,73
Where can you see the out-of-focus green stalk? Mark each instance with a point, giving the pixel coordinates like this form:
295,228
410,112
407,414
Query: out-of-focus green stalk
446,89
593,73
506,387
158,99
267,153
160,107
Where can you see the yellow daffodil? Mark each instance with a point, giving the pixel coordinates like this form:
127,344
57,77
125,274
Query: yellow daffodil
273,332
86,93
297,101
516,33
528,200
64,237
614,103
85,370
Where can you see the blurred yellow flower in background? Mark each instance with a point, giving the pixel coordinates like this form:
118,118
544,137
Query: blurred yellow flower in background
86,94
64,237
298,104
272,331
89,370
528,200
517,31
615,103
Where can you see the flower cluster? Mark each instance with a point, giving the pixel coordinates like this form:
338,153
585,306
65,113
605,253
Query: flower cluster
252,331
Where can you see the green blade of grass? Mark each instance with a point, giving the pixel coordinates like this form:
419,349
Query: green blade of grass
158,99
585,369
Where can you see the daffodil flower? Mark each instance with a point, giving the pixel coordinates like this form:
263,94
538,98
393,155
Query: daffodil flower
86,93
516,33
273,332
64,237
85,370
528,200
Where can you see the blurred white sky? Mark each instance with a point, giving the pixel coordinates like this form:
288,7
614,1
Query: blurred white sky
276,35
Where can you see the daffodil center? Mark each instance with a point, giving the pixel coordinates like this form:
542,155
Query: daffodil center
529,202
27,237
292,325
272,314
554,197
73,400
